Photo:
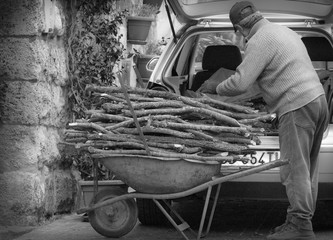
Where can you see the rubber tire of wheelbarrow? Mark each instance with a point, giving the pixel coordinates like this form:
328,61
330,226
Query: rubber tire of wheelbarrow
150,214
122,218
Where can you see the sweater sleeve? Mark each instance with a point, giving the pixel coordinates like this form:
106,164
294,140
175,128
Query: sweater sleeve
257,56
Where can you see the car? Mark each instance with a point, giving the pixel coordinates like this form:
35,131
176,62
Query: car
206,41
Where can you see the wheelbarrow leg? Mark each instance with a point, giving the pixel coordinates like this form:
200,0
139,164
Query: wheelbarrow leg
204,211
179,227
184,225
211,212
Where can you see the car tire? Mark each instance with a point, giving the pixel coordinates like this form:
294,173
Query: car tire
150,215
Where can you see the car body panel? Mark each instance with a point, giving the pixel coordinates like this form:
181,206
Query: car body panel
187,10
270,147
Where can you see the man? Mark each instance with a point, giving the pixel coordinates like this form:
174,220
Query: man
276,59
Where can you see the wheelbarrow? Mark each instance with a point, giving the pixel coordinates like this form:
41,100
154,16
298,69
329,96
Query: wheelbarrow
113,213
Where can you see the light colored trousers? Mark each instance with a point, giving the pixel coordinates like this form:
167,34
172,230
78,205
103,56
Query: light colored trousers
300,135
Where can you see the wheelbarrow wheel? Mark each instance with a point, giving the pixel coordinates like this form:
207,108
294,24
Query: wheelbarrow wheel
114,220
150,214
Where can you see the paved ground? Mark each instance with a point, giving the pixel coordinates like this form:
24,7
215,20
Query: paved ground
234,220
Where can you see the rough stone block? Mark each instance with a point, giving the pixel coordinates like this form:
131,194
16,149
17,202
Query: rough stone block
33,59
28,199
28,148
51,57
21,198
18,59
60,192
20,17
29,103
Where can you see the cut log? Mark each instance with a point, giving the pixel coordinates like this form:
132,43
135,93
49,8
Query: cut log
179,111
97,153
110,97
94,117
218,146
143,119
164,104
157,131
266,117
89,125
225,105
217,129
113,137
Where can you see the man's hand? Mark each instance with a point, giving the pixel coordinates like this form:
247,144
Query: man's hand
208,87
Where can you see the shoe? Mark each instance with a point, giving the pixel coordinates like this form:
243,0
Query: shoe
291,232
279,228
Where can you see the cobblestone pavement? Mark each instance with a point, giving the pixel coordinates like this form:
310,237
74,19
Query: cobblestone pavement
233,220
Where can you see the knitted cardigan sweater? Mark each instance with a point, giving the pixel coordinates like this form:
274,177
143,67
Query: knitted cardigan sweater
277,59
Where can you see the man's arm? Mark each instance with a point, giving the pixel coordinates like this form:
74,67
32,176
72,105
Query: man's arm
253,64
209,86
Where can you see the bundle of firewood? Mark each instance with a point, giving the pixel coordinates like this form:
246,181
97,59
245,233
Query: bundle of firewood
147,122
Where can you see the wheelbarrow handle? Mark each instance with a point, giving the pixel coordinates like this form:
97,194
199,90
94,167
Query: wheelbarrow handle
216,180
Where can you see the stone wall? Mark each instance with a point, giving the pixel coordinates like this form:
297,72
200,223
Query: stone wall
35,181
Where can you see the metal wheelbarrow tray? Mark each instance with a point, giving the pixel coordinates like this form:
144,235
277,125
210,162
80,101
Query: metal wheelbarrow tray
113,213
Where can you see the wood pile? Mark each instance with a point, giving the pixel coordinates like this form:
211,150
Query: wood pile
147,122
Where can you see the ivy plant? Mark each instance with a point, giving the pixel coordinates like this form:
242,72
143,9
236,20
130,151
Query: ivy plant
94,48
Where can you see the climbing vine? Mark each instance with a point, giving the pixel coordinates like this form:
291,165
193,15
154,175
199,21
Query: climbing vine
94,48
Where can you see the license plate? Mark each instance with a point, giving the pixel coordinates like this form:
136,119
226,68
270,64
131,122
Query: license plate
260,157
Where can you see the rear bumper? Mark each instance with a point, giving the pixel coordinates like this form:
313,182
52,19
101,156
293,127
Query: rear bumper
269,190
